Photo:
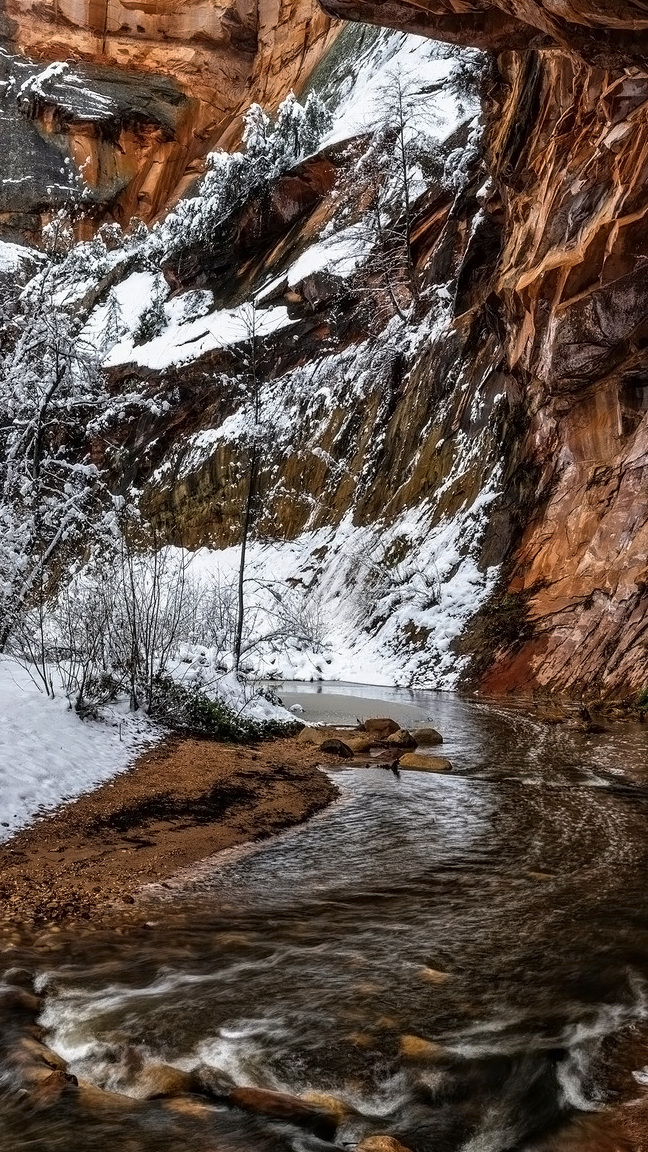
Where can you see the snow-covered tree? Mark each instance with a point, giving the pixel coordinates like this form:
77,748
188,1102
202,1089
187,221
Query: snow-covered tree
50,491
270,147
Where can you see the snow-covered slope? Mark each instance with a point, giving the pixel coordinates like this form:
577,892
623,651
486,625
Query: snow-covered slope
48,754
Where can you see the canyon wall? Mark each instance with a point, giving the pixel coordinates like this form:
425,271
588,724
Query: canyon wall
108,107
464,477
559,278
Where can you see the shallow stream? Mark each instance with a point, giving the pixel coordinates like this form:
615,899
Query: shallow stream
498,914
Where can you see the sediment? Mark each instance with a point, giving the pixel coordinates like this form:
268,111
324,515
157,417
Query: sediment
180,803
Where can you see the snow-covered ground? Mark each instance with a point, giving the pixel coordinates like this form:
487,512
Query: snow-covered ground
48,754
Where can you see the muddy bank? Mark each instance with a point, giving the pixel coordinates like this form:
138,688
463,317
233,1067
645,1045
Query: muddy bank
181,802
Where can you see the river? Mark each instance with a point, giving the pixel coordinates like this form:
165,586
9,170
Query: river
448,954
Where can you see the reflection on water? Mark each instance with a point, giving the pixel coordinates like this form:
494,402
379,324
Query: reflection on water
497,914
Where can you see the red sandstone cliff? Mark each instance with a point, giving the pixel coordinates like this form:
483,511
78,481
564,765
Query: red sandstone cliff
567,296
177,77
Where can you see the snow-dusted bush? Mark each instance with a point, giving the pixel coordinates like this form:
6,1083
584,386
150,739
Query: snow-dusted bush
191,711
270,147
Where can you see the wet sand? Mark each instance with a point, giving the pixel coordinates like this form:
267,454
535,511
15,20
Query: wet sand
180,803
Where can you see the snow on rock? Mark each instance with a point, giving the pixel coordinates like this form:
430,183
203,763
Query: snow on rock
182,342
60,85
364,608
427,73
48,754
340,254
18,260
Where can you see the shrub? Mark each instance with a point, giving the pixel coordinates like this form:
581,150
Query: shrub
192,712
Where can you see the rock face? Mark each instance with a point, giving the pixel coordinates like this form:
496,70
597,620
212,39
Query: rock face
558,277
608,34
531,401
147,91
570,283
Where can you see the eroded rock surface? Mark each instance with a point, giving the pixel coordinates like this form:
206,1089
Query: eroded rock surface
604,33
144,93
557,276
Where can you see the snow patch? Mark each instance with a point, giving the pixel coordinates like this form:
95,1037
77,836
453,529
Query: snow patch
17,257
183,342
48,754
425,70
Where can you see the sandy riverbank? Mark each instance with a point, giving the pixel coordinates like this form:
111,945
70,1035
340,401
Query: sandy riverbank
181,802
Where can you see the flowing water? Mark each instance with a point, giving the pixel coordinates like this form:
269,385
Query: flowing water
498,913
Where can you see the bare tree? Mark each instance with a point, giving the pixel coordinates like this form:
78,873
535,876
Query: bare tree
50,493
387,170
253,385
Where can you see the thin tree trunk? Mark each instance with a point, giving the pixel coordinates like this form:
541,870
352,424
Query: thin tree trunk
250,501
247,525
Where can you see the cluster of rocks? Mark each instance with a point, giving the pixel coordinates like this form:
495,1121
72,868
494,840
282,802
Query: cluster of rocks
44,1081
380,741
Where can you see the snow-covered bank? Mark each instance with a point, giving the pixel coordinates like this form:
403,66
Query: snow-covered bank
48,754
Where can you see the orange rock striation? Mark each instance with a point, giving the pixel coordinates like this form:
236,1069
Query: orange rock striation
571,284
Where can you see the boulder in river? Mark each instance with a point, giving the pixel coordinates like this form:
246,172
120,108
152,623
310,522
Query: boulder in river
416,1048
419,762
331,1104
317,736
159,1080
290,1109
18,1002
336,747
19,978
380,727
213,1082
401,739
360,743
433,976
381,1144
32,1053
427,736
48,1089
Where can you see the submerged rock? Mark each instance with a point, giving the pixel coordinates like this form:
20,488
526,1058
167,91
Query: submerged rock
292,1109
48,1088
381,1144
19,978
32,1053
19,1002
427,736
433,976
159,1080
337,1108
416,1048
419,762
